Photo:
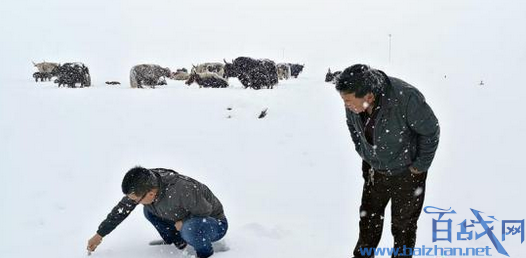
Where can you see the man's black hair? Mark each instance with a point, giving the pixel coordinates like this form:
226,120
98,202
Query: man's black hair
360,79
139,181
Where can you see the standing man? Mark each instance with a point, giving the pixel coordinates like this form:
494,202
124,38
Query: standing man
182,210
396,134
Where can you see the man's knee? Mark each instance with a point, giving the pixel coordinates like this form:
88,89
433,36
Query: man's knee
368,213
192,228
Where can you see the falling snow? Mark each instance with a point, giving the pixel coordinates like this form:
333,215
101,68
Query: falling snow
418,191
70,147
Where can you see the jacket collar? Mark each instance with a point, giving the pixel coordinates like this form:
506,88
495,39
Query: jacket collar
161,191
387,92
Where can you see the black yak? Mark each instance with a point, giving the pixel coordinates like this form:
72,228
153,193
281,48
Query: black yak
72,73
253,73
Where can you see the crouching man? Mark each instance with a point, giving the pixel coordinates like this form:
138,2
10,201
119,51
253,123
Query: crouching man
183,210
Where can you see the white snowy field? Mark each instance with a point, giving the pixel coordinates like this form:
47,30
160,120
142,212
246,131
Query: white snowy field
290,182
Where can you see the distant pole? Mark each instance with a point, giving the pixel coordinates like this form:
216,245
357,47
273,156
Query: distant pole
389,48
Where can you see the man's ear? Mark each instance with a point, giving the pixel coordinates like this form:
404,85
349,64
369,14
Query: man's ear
152,192
369,97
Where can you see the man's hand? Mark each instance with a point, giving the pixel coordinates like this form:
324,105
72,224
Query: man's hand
179,225
94,242
415,171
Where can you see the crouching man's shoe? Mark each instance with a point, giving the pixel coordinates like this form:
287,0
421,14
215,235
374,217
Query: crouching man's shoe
180,244
158,242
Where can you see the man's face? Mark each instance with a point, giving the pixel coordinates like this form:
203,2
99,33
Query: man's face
357,105
148,198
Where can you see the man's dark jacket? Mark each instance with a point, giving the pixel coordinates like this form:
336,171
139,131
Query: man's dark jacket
406,130
179,197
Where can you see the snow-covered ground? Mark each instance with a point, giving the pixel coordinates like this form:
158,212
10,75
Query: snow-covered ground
290,182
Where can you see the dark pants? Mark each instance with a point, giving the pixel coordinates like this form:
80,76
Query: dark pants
406,192
199,232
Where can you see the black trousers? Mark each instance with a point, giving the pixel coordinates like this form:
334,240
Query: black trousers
406,192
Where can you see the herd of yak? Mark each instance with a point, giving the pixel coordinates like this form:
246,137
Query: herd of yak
252,73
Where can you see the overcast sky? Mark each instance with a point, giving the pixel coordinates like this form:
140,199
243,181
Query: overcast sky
111,36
